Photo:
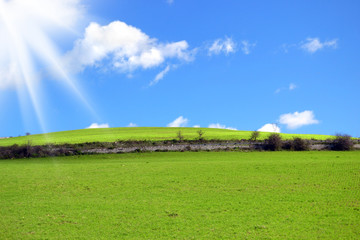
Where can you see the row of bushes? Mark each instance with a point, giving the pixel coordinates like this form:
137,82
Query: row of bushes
276,143
273,143
28,151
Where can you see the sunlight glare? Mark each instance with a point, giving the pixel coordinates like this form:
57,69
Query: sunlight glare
26,28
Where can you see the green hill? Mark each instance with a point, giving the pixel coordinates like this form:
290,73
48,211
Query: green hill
139,134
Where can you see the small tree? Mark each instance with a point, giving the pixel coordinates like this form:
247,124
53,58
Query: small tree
254,135
180,136
274,142
200,133
28,148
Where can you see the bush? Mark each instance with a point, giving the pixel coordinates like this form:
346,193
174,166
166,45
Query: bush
28,151
299,144
274,142
342,143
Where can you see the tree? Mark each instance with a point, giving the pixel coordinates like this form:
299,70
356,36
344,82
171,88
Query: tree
180,136
200,133
254,135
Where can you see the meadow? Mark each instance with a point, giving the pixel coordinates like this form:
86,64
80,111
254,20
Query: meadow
141,134
190,195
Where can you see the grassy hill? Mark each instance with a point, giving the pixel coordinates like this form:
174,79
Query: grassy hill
138,134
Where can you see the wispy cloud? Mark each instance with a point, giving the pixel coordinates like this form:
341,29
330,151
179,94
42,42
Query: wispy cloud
286,47
226,46
160,75
246,46
96,125
179,122
125,48
270,127
170,2
291,87
298,119
132,125
312,45
196,126
218,125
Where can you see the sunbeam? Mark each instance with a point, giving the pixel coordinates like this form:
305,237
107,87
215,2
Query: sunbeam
27,47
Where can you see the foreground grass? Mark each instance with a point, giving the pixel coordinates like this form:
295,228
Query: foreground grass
204,195
140,133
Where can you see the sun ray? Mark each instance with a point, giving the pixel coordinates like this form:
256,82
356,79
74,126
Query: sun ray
46,49
23,59
26,27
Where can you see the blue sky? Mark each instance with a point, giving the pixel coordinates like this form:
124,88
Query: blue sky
277,66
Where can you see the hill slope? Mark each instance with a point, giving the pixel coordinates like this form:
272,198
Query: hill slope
138,134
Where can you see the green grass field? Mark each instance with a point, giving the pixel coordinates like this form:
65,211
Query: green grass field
202,195
139,133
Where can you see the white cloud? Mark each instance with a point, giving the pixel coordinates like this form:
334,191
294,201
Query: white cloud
270,127
296,119
312,45
292,86
196,126
160,75
246,46
96,125
218,125
124,47
179,122
225,46
132,125
170,1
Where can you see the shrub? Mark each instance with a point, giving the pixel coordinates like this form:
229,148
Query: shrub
274,142
288,145
342,143
299,144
